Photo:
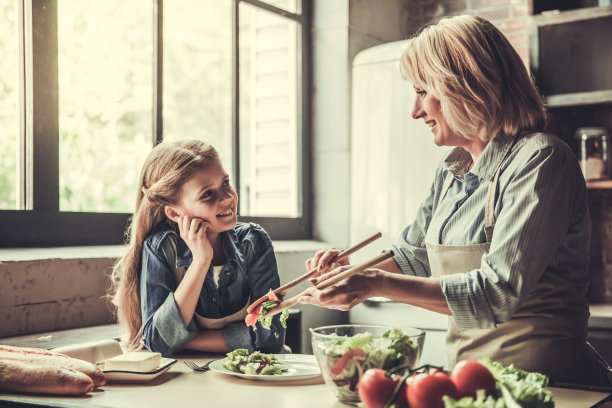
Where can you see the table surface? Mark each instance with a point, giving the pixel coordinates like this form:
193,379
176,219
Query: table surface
182,387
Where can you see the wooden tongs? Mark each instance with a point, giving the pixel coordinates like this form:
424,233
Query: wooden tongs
328,282
287,286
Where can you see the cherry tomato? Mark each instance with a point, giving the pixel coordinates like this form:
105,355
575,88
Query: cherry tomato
425,390
252,317
272,296
470,376
375,389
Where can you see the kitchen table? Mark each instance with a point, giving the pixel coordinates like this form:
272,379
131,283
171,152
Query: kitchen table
180,387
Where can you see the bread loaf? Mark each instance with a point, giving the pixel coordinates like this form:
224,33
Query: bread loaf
37,356
92,351
17,376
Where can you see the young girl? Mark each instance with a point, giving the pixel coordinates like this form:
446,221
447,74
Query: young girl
191,269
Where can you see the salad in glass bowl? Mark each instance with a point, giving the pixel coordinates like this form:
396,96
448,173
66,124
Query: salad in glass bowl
345,352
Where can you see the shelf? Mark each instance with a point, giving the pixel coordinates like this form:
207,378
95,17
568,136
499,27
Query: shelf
599,185
579,98
569,16
569,53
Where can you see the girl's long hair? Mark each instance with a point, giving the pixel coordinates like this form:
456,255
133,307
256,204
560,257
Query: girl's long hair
481,82
167,168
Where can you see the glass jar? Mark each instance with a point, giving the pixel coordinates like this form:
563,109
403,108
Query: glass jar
594,152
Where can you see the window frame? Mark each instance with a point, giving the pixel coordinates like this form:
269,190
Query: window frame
40,222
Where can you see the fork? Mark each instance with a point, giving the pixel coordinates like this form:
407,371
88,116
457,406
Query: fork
196,367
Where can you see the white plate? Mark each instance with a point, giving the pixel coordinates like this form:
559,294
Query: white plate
138,376
300,367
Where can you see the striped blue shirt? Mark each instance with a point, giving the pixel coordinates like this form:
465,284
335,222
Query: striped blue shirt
542,223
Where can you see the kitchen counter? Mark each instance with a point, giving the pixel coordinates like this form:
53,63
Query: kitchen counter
601,316
182,387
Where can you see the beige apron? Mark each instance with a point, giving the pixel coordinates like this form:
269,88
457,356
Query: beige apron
220,323
546,334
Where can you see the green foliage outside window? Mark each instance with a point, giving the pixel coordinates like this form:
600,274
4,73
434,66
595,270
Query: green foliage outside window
9,109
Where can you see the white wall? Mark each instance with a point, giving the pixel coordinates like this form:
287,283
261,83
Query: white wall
341,28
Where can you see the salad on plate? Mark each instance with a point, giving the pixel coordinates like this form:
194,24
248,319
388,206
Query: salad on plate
256,363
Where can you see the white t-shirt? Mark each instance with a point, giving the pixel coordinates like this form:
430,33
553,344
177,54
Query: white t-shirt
216,272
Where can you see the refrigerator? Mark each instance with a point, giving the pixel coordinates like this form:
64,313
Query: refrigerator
393,159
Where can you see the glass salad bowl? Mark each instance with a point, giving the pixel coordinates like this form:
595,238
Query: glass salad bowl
345,352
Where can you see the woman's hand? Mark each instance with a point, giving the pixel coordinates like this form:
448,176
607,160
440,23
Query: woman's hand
323,261
412,290
346,293
193,232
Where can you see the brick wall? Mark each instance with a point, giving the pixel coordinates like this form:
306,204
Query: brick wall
512,17
52,294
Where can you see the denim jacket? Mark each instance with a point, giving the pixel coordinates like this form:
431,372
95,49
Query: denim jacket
250,271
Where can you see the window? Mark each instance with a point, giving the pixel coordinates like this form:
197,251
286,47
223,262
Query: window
268,102
94,85
198,95
105,89
9,106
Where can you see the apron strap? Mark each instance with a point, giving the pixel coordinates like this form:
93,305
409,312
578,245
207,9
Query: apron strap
489,220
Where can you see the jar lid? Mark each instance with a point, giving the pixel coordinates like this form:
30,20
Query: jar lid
591,132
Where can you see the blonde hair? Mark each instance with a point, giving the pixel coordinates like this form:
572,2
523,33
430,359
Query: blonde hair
481,82
167,168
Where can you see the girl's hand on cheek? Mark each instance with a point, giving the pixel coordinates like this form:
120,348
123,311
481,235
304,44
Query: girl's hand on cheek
193,231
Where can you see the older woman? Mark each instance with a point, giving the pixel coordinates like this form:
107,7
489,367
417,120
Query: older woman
501,244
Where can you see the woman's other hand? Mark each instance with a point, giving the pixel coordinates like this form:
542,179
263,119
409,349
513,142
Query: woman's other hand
324,261
344,294
193,232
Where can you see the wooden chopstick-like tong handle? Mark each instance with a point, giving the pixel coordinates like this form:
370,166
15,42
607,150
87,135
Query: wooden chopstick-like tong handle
342,255
334,279
355,269
285,288
356,247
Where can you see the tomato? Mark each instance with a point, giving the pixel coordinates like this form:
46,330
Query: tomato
425,390
252,317
470,376
339,365
272,296
375,389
